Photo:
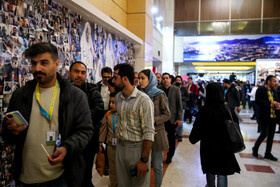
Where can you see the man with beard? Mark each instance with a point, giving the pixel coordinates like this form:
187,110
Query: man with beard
268,102
77,74
135,131
175,105
185,99
49,104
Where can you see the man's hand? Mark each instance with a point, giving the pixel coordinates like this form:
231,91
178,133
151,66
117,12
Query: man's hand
13,127
238,109
178,122
142,168
58,156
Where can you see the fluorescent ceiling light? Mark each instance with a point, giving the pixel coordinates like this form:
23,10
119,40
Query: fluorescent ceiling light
223,68
224,63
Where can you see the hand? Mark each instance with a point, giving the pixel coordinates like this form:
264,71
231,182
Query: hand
238,109
142,168
190,92
100,148
58,156
275,103
13,127
178,122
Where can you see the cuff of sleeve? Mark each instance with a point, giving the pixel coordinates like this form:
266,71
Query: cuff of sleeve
149,136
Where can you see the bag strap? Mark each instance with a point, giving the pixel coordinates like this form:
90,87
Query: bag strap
227,108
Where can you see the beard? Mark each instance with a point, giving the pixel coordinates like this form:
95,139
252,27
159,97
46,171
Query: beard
119,88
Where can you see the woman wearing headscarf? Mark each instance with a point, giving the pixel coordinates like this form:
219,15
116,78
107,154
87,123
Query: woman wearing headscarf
148,84
210,130
87,51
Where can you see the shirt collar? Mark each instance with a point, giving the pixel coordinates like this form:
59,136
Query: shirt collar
133,94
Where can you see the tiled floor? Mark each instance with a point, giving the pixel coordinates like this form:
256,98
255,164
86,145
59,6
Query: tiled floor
185,170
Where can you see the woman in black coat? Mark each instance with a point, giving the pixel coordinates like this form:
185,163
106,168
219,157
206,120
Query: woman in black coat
209,129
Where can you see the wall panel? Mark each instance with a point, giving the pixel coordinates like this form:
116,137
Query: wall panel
271,8
186,10
214,9
246,9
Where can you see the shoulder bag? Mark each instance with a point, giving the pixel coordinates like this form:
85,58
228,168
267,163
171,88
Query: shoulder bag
236,141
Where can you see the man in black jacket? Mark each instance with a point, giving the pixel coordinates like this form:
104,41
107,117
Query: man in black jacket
268,102
232,96
102,85
78,74
185,99
67,120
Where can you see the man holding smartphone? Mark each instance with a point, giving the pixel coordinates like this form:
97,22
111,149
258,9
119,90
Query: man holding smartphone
175,105
53,108
135,130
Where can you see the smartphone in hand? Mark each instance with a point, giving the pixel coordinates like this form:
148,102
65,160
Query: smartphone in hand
17,117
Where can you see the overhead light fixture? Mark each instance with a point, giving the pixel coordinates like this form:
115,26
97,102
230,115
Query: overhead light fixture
224,63
223,68
154,10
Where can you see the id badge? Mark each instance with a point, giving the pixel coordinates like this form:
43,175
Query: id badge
51,138
114,141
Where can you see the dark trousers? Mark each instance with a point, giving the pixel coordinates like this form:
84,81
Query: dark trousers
170,129
267,131
89,154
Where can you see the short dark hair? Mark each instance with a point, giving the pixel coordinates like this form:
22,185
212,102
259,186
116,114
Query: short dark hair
40,48
158,74
166,74
269,78
226,81
125,70
178,76
77,62
113,94
106,70
146,72
190,78
110,82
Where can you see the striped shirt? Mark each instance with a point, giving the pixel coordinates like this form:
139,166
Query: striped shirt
136,122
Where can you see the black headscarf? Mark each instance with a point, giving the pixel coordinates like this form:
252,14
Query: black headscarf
214,94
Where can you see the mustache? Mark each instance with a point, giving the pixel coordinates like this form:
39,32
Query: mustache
39,72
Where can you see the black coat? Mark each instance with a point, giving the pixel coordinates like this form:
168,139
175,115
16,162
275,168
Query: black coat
75,127
209,129
232,97
185,97
262,100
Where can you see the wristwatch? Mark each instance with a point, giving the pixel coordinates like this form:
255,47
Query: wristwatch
144,159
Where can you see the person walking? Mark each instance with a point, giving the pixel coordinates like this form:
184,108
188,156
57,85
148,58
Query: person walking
209,129
148,84
135,131
266,98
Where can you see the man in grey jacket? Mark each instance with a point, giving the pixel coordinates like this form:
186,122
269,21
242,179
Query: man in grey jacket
175,105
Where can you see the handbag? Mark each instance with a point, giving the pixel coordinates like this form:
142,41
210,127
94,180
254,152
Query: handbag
236,141
100,163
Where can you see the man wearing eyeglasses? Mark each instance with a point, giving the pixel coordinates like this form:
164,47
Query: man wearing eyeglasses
78,73
102,85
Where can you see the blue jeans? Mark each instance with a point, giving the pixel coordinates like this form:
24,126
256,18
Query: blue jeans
221,182
157,159
59,182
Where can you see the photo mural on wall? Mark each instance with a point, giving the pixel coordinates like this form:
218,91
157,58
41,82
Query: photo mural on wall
26,22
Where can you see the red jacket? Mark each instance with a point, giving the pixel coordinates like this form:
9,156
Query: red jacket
193,88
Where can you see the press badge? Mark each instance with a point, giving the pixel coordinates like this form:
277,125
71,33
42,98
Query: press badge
114,141
51,138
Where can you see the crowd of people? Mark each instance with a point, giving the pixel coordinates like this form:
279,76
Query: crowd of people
131,117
